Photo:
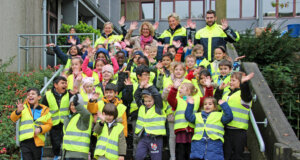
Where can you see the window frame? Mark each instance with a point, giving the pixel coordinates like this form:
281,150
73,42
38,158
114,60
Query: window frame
140,8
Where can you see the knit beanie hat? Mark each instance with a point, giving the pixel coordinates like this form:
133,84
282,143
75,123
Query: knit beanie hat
87,80
108,68
80,99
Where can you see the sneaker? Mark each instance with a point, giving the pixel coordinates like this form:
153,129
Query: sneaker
57,157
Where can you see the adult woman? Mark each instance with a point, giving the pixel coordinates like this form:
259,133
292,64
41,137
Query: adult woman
175,32
146,35
107,35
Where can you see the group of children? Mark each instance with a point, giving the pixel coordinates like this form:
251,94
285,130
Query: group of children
170,96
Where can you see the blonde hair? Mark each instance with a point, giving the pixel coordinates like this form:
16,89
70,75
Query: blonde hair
190,87
196,48
176,64
174,15
237,75
108,23
190,56
150,26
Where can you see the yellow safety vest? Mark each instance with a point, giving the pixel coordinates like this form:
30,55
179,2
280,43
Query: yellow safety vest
70,80
133,105
240,113
152,122
167,81
107,144
111,38
213,126
168,37
86,98
28,125
67,66
58,113
77,140
204,63
215,72
133,77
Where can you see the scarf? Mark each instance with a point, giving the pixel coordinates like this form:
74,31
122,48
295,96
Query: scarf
145,40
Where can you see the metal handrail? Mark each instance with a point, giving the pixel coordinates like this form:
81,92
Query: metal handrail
27,47
257,132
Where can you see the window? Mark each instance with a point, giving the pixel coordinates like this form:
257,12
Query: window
137,9
233,9
285,8
241,8
184,8
281,8
248,8
297,8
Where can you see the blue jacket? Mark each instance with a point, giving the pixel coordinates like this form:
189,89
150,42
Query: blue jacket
205,148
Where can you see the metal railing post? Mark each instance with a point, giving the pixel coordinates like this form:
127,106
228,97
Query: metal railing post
19,54
257,132
27,54
55,42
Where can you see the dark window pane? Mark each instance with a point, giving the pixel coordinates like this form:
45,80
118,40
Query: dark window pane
248,8
132,10
197,9
233,9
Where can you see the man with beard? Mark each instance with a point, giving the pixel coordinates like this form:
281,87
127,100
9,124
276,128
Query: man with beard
214,35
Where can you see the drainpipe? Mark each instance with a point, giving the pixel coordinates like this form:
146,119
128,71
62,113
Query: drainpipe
44,32
260,13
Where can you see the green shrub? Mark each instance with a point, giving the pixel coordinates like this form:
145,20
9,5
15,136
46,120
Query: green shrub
13,86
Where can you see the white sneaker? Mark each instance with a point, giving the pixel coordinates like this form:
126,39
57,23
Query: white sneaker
57,157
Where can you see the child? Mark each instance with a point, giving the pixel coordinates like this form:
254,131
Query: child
71,37
87,91
199,54
150,125
35,122
183,128
207,141
111,143
97,71
172,49
190,62
239,99
110,96
77,130
57,99
225,68
103,53
120,56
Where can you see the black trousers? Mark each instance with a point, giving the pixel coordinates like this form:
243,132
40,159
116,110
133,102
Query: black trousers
234,143
182,151
30,151
56,137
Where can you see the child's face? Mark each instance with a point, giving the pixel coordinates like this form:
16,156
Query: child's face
144,77
89,88
135,59
219,55
73,51
33,97
109,94
178,71
153,53
72,30
142,61
166,61
76,65
172,51
107,75
209,105
61,86
108,118
148,101
101,55
190,63
184,91
120,59
234,83
72,108
199,53
202,79
224,70
99,65
147,49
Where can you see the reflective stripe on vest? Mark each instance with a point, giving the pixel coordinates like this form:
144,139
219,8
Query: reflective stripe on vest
67,66
152,122
240,113
58,114
213,126
77,140
27,125
107,143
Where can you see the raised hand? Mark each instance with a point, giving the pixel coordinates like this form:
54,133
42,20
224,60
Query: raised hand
37,131
50,45
90,52
95,96
20,106
177,44
87,41
133,25
207,81
177,83
155,25
128,82
239,58
73,41
221,101
122,21
191,24
223,85
197,71
224,23
101,116
248,77
190,100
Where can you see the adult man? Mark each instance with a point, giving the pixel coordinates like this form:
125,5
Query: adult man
214,35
